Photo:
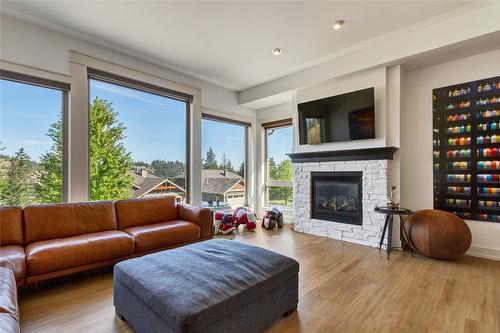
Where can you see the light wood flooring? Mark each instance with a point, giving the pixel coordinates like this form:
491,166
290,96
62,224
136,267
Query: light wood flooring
343,288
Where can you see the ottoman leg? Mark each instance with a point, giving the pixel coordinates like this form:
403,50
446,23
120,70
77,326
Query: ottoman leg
290,311
119,315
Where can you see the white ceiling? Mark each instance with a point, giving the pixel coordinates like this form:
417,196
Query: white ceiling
230,43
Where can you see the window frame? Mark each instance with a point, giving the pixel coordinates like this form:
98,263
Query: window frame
247,127
98,75
282,123
65,89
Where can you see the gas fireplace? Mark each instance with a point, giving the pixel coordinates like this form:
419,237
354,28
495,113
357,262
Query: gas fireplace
337,196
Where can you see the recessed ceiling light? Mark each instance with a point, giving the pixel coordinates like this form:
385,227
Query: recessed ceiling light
277,51
338,24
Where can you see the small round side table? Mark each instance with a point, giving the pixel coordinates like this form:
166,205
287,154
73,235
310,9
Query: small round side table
390,212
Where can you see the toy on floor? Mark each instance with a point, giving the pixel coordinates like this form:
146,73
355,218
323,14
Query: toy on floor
223,223
272,218
246,217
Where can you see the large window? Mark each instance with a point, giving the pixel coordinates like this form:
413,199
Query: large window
138,141
279,171
31,139
223,147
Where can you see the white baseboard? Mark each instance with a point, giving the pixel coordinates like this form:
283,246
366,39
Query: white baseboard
484,252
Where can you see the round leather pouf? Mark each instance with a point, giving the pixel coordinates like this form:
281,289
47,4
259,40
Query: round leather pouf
438,234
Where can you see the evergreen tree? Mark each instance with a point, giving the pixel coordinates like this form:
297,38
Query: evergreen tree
17,188
241,171
210,161
167,169
229,166
225,164
141,164
3,169
110,163
49,187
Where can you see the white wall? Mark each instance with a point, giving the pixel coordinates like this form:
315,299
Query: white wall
31,45
416,138
374,78
438,32
42,51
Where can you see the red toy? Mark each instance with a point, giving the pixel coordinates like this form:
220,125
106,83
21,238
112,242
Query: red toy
224,223
246,217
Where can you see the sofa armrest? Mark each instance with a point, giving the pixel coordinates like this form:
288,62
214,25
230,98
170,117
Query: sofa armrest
201,216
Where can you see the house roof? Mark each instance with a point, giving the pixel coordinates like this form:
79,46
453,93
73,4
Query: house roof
143,185
217,181
219,185
219,174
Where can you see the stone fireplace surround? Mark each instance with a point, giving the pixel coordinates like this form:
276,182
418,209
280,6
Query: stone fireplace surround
375,164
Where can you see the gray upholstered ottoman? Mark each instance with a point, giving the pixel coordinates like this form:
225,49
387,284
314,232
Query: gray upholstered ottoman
213,286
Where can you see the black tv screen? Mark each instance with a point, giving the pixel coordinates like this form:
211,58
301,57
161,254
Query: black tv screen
345,117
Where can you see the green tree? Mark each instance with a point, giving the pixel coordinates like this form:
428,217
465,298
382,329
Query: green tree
210,160
285,170
110,163
49,187
167,169
3,168
225,164
272,169
17,188
141,164
282,171
241,171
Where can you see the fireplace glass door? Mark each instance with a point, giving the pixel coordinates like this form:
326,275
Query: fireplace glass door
337,196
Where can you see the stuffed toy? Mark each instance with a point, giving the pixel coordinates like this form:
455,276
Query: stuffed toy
246,217
223,223
272,218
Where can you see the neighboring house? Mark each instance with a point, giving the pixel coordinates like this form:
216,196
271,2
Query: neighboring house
146,184
222,185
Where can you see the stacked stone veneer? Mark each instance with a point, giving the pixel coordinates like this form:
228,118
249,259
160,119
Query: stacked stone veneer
376,180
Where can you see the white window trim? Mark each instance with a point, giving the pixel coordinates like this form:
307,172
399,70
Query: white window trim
47,75
273,183
249,124
78,122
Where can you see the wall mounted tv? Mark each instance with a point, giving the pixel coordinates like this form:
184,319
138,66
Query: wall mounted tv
345,117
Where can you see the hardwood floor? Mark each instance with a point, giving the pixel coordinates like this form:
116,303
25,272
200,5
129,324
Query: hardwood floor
343,288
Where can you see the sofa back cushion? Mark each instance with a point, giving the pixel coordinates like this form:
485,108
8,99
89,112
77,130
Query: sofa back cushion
11,225
136,212
43,222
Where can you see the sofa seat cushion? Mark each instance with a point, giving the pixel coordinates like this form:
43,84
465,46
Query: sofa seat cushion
8,292
57,254
14,257
164,234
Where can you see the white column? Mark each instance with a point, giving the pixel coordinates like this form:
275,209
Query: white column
78,131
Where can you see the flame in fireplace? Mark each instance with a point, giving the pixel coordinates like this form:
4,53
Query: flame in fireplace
341,203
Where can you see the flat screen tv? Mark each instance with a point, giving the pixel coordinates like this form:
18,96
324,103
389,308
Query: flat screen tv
345,117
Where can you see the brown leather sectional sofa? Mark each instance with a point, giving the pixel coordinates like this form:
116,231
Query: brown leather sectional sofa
9,310
41,242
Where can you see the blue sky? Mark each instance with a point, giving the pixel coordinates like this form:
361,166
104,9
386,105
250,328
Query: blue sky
279,143
155,125
223,138
26,113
